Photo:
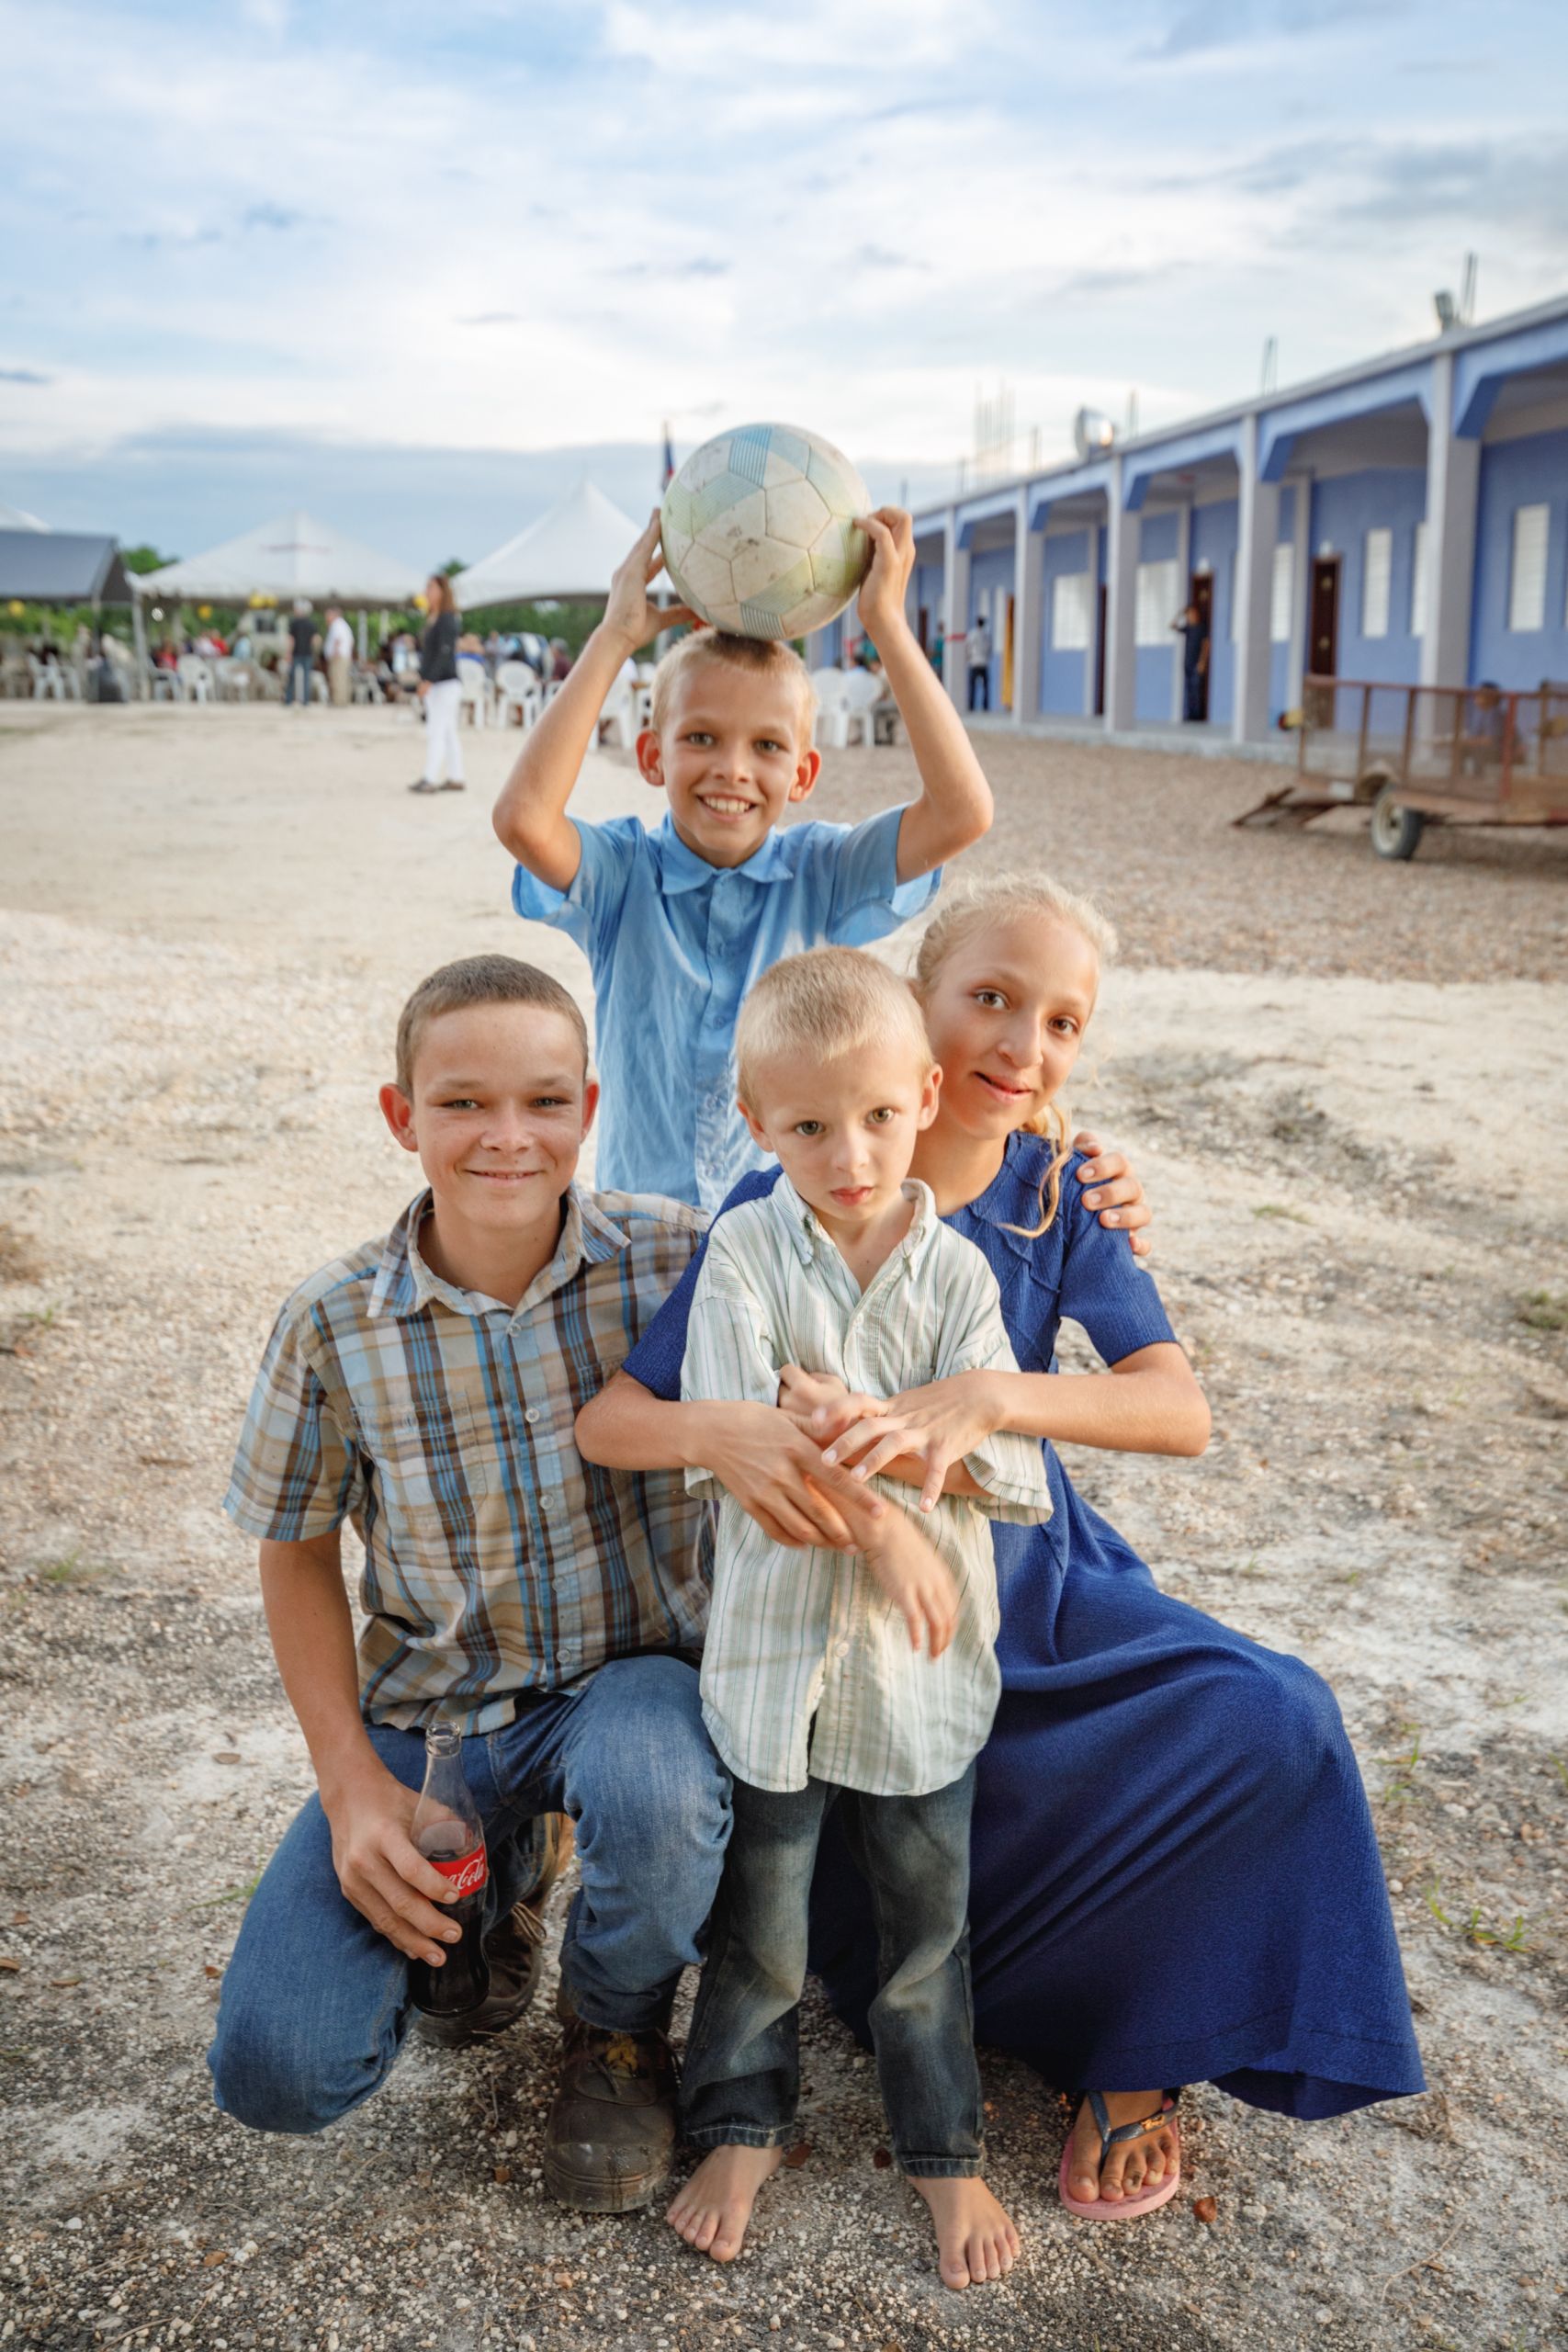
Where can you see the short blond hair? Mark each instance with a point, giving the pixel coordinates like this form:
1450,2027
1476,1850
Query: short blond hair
755,657
827,1002
479,979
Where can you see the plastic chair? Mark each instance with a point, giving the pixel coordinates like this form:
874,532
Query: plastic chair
832,729
618,719
516,689
475,687
195,677
861,691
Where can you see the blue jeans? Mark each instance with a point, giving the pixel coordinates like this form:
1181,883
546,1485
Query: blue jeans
315,2002
741,2074
299,682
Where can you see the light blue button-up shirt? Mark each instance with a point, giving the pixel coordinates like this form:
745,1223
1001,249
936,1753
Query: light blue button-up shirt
674,944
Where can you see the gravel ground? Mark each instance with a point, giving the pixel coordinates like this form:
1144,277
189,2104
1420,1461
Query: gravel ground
207,921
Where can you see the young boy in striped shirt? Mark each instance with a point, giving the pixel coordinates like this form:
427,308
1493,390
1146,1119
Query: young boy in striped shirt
867,1680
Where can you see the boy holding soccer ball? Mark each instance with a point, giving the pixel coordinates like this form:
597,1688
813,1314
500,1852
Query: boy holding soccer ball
679,922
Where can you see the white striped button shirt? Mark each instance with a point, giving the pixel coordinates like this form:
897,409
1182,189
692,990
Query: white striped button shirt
808,1670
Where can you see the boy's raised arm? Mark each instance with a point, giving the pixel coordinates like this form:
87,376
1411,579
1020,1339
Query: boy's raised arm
530,817
954,806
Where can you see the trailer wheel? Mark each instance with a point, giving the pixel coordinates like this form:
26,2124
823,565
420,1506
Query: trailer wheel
1395,831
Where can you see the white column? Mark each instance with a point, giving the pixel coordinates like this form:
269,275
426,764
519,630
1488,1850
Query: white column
1122,582
1453,479
1183,581
955,612
1028,592
1301,591
1259,529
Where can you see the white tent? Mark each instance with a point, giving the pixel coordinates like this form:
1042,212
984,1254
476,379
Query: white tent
571,551
17,518
294,555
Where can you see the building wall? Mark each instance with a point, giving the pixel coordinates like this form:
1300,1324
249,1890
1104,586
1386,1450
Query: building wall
1061,673
991,579
1513,474
1153,664
1345,507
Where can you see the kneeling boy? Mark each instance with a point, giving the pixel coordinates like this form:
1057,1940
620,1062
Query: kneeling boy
814,1687
426,1385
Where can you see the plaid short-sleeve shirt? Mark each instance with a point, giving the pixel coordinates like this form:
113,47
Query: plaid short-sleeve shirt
497,1561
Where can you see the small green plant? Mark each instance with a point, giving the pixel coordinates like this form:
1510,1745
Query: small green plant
1475,1929
1400,1789
71,1569
1543,1310
1558,1765
229,1894
1277,1208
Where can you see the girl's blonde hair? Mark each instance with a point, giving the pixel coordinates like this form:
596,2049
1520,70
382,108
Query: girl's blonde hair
975,905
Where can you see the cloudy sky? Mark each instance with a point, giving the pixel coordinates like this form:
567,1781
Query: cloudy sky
419,267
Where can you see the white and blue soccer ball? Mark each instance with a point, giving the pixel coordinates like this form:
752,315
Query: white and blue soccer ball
758,530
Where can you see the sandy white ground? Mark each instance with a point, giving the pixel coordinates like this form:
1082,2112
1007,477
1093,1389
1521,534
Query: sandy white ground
208,920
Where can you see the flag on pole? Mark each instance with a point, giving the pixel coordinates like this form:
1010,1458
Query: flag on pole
668,475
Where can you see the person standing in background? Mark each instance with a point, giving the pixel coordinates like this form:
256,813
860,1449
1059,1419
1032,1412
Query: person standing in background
302,637
977,652
440,691
1194,632
339,650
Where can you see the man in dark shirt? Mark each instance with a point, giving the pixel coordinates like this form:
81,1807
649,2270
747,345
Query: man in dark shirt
1194,661
302,639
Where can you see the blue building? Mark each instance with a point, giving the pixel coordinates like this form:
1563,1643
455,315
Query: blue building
1403,521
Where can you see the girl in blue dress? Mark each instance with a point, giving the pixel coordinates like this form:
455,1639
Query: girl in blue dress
1174,1875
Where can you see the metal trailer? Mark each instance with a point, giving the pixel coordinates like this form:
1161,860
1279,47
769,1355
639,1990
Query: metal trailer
1420,755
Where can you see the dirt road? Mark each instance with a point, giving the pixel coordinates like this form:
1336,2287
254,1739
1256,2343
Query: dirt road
1346,1085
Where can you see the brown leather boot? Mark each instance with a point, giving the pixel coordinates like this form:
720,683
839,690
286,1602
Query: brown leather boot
515,1951
611,2132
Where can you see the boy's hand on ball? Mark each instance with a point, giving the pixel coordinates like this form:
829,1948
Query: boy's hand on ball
631,614
917,1580
892,535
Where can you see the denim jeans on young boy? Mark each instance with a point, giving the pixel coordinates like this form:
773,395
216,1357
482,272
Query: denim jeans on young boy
741,2074
315,2002
298,687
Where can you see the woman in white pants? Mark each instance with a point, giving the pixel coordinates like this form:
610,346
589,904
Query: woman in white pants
440,691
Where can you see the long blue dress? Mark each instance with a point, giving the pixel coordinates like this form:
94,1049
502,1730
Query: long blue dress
1175,1877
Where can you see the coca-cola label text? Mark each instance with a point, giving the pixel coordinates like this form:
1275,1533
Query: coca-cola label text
466,1872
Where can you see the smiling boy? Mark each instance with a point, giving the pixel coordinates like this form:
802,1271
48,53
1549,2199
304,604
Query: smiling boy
678,922
425,1386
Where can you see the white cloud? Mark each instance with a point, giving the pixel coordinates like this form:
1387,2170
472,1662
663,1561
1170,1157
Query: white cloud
851,213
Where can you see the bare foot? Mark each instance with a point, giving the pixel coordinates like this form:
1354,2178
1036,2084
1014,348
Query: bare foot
975,2239
1131,2166
713,2209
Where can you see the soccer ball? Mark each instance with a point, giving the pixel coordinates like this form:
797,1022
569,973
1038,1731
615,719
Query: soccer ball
758,531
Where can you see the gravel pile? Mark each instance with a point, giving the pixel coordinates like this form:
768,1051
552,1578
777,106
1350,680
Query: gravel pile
1377,1298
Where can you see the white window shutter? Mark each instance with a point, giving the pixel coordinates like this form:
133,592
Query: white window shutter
1377,565
1527,576
1281,594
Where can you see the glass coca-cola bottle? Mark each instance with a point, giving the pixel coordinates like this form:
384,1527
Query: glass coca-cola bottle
447,1831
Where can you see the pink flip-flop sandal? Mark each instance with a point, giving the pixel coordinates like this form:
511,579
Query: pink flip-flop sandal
1121,2208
